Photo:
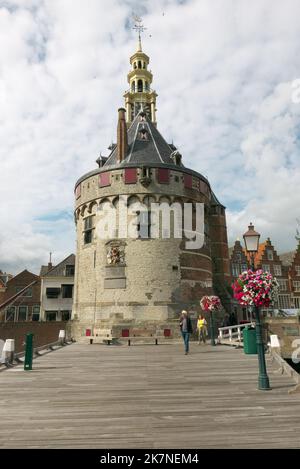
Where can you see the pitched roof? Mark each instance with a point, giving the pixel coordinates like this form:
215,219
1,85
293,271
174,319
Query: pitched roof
152,150
59,269
25,271
287,258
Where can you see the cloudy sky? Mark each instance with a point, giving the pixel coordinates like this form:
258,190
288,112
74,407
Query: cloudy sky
223,69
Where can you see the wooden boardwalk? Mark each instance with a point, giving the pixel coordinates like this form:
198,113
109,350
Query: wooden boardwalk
146,396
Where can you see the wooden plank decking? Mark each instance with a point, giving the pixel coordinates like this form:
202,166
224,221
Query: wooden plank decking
145,396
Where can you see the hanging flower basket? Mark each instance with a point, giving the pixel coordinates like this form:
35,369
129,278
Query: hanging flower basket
210,303
256,288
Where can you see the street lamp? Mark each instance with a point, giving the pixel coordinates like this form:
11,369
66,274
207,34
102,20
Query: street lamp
251,239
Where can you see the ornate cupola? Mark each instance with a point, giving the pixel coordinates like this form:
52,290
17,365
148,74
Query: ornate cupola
140,95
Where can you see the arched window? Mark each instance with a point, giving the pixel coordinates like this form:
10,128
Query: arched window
134,65
139,64
140,86
144,64
146,86
133,87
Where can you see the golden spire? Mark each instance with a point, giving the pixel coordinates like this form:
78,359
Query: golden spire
140,95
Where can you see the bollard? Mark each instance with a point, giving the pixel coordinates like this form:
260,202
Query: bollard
62,336
28,352
9,351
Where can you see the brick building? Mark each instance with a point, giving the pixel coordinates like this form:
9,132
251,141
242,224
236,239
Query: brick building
21,299
285,268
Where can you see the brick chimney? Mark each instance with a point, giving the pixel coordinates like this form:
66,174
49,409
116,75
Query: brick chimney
122,143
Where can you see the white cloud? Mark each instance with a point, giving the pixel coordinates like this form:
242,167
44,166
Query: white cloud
223,71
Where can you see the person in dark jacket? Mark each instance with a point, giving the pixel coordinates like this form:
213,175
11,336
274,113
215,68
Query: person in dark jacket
186,329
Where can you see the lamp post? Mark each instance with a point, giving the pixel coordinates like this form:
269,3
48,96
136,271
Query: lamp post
212,330
251,239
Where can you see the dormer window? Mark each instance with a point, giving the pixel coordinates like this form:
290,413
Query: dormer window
176,157
143,134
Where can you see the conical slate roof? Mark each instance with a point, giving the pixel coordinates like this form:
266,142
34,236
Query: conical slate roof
145,145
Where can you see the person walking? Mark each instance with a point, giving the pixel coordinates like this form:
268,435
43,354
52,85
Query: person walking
186,329
202,329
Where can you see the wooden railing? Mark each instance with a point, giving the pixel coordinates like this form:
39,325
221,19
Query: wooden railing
17,358
232,335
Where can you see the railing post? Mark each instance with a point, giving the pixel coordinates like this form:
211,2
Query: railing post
62,336
230,335
28,352
239,333
9,351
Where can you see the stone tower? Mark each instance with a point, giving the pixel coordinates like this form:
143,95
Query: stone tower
144,280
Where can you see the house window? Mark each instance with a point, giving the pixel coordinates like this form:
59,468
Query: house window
266,267
296,302
277,270
10,314
270,256
297,269
65,315
52,292
35,313
27,293
284,301
296,285
88,229
282,284
22,313
70,270
67,291
244,267
51,315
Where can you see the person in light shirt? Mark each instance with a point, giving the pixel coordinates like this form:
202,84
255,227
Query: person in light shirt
186,329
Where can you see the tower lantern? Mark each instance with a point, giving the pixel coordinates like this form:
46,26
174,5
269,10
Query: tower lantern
140,95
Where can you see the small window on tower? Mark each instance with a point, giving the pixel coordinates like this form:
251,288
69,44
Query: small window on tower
88,229
140,86
134,65
139,64
143,134
133,87
144,64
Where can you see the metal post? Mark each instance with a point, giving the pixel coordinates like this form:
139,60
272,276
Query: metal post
28,352
212,330
263,380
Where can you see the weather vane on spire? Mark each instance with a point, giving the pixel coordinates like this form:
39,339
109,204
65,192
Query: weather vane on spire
139,27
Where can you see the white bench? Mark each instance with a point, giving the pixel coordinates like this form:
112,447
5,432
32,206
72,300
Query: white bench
102,335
